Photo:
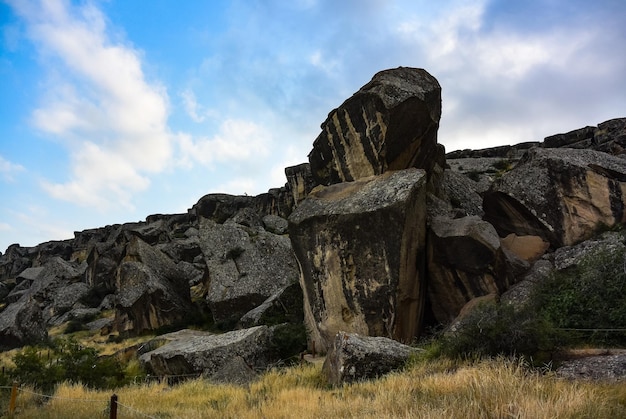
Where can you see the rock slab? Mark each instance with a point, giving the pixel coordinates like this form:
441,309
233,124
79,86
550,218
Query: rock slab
361,250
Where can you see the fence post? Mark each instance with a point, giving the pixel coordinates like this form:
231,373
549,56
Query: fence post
113,407
13,399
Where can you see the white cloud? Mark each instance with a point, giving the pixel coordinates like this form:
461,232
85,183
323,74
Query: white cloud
236,141
9,169
97,90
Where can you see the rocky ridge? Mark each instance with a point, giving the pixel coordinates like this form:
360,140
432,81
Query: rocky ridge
380,234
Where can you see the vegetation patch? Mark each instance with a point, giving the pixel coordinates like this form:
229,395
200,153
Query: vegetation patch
588,301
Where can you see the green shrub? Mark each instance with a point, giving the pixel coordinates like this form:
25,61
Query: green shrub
66,361
501,329
589,296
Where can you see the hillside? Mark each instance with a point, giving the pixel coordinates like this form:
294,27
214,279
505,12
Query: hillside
380,234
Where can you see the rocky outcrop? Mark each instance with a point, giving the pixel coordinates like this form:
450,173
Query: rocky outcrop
245,267
300,181
608,366
151,291
391,123
354,358
285,306
465,261
608,137
361,248
560,195
24,320
208,354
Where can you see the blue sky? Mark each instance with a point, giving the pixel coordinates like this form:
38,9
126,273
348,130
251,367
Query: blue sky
114,110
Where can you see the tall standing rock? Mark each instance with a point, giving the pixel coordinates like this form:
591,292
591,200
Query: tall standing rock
361,249
389,124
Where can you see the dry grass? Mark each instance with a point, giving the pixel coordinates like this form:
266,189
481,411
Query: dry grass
486,389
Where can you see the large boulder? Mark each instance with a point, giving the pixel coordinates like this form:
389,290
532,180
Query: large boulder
209,354
361,250
355,358
23,321
465,261
245,267
561,195
152,292
391,123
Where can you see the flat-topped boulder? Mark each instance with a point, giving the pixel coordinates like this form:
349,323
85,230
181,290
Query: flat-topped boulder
361,251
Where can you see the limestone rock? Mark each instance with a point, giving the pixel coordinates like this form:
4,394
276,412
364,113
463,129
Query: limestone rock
391,123
462,193
560,195
361,250
568,256
21,323
528,248
355,358
608,137
275,224
465,261
245,267
285,306
521,293
208,354
151,291
300,180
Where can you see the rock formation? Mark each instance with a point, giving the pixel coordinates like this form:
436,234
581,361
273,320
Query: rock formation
560,195
354,358
208,354
378,234
465,261
391,123
359,245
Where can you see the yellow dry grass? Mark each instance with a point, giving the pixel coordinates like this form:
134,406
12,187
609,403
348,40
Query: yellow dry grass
437,389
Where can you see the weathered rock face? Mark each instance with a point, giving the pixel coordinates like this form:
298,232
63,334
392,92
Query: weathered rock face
354,358
24,320
22,324
245,267
528,248
560,195
608,137
465,261
285,306
209,354
361,249
300,180
389,124
152,291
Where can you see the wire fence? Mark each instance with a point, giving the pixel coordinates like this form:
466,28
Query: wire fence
112,404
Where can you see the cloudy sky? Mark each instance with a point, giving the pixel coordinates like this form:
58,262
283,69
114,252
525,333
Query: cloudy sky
116,109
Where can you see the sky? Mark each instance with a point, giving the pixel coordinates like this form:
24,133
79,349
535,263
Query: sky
112,110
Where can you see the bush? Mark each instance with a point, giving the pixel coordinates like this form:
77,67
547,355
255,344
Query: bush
66,361
501,329
589,296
